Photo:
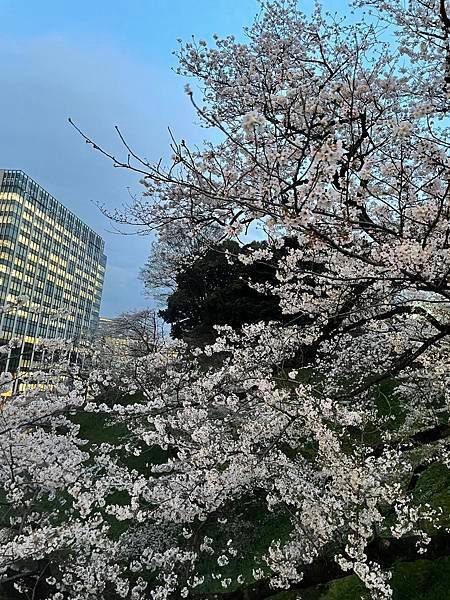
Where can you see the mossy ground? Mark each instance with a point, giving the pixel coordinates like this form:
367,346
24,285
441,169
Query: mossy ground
418,580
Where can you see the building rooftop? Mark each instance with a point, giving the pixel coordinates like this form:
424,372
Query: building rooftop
18,180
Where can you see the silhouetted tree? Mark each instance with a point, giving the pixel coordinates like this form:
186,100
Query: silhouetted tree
217,289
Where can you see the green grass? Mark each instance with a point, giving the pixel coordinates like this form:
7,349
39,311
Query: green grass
257,529
433,488
419,580
98,429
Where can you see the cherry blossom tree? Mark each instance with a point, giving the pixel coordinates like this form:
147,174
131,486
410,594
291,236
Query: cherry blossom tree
170,253
135,332
337,135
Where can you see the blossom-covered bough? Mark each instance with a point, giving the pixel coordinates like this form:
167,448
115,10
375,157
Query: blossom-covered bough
334,134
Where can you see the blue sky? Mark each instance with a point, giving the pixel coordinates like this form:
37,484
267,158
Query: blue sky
103,63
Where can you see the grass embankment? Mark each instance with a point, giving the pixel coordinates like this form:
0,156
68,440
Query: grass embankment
419,580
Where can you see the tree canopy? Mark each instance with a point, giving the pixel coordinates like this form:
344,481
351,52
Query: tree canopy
218,288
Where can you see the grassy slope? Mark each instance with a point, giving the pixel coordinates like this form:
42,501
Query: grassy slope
419,580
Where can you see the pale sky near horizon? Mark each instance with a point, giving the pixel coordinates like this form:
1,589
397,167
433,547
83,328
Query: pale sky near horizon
103,63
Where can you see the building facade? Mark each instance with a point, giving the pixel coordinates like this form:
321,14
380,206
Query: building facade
52,268
114,343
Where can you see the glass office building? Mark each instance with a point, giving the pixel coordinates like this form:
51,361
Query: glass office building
52,268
